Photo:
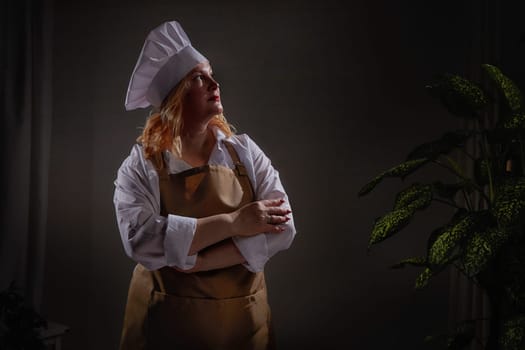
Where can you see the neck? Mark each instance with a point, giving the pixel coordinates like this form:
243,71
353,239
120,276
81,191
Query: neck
197,138
195,135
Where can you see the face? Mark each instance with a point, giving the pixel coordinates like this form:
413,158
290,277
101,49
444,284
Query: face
202,100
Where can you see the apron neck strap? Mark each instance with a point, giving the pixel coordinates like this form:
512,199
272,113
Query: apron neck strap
239,167
160,165
162,169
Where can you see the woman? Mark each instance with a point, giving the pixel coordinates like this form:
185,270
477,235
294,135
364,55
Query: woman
201,211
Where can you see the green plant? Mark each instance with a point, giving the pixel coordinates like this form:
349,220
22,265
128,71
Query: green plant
19,323
485,237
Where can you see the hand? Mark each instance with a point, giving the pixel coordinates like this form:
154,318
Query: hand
260,216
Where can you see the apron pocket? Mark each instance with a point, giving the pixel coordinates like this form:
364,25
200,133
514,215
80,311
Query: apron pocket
202,323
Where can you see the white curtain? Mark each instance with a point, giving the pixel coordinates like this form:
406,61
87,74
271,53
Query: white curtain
25,105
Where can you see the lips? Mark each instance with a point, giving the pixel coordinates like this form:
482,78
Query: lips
214,98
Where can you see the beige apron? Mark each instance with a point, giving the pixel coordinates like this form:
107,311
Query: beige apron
219,309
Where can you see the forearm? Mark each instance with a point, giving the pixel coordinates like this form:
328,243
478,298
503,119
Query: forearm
211,230
251,219
220,255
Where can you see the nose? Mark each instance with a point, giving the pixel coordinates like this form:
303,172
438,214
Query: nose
213,84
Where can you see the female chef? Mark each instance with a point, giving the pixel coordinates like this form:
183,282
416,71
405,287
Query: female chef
200,209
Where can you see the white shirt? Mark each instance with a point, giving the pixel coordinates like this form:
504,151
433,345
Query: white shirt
156,241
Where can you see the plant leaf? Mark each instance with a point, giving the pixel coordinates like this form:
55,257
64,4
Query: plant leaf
513,335
406,168
458,215
509,89
402,170
455,166
516,121
434,338
482,247
463,335
19,322
371,185
416,196
513,260
389,224
443,145
460,338
516,293
413,261
443,247
423,278
460,96
433,236
509,201
481,173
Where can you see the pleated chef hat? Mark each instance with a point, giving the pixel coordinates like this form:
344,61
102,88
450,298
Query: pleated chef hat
166,57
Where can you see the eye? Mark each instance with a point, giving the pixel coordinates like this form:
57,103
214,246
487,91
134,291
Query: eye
199,77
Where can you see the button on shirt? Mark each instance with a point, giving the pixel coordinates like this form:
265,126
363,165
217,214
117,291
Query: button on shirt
156,241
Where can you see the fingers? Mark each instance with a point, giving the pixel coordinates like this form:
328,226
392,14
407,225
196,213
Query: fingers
263,216
273,207
278,211
272,202
275,222
277,219
275,215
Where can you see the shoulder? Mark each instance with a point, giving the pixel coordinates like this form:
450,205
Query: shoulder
136,163
135,158
245,143
239,139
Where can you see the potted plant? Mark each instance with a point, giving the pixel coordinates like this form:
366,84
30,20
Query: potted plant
485,237
20,324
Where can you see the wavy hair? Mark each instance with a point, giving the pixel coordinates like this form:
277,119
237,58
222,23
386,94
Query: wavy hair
163,129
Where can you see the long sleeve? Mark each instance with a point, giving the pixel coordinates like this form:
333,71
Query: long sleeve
257,250
153,240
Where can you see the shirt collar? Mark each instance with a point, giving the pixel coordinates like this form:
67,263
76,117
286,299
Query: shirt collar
177,165
219,137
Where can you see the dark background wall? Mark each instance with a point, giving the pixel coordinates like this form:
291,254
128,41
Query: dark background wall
333,91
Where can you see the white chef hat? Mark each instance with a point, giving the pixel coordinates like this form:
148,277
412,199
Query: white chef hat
166,57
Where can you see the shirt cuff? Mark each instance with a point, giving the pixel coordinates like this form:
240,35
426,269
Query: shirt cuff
254,249
177,242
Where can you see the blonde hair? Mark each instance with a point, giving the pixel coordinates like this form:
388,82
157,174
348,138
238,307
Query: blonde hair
163,128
